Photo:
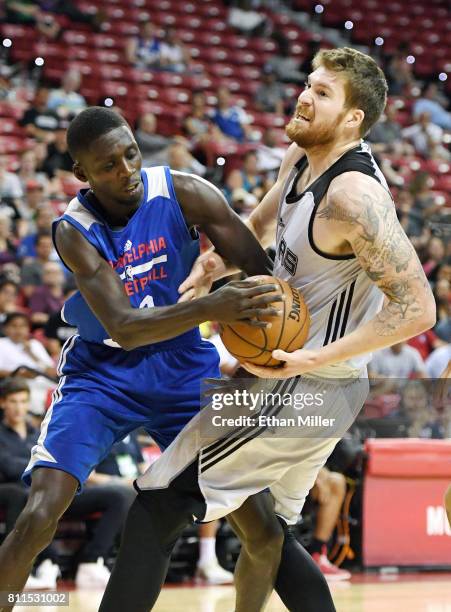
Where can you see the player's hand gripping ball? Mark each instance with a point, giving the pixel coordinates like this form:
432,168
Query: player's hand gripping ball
289,330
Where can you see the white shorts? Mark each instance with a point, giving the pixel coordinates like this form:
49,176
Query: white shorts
280,444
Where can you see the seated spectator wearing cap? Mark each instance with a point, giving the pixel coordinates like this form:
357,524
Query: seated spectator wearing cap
49,297
66,100
111,497
38,120
174,56
270,96
230,118
26,356
144,50
58,162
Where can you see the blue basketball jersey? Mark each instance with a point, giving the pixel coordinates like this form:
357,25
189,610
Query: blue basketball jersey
152,254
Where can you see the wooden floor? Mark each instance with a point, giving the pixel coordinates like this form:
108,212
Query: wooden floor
407,593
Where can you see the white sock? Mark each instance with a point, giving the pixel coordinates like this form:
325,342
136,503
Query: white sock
207,551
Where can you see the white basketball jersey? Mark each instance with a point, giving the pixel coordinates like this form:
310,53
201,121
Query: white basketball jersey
338,293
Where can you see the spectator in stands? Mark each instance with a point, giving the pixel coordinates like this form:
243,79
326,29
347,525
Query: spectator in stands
66,100
28,173
58,162
174,56
329,492
438,360
395,364
144,50
399,72
95,17
423,206
386,135
270,95
38,121
152,145
241,200
425,343
8,248
9,292
26,356
416,408
27,12
111,495
40,221
283,64
10,186
269,154
435,257
245,19
230,119
56,330
432,103
33,268
197,123
252,179
49,297
179,158
426,137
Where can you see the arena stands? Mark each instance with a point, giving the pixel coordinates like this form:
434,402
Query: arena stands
83,56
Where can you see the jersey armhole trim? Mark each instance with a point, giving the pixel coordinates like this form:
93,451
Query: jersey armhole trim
78,227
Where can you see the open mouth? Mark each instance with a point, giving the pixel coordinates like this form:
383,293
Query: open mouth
299,117
133,187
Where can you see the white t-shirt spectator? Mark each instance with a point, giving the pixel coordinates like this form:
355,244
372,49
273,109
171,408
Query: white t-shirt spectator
15,355
438,360
10,186
386,363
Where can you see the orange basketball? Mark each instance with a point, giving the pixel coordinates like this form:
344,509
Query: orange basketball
288,331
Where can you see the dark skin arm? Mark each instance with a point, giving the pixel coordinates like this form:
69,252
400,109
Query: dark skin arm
133,327
205,207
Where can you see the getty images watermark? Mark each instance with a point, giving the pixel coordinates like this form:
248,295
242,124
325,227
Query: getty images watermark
256,401
298,407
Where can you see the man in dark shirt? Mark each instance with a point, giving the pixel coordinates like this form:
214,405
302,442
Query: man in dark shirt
38,120
110,495
58,161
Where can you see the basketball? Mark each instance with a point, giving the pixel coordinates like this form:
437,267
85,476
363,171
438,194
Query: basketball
288,331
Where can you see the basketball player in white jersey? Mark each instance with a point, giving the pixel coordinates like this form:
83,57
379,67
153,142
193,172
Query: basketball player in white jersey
338,240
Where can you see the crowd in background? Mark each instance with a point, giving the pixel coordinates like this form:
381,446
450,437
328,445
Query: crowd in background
36,183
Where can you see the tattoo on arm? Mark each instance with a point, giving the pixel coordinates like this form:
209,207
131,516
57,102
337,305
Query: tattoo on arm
385,254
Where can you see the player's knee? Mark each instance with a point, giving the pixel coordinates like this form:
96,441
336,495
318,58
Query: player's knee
448,500
266,541
36,525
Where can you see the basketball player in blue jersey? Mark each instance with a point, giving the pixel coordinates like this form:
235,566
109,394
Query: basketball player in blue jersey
339,242
138,359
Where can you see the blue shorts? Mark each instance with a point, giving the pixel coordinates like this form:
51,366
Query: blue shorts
104,393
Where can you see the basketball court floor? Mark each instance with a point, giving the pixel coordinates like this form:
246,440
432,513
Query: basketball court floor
367,593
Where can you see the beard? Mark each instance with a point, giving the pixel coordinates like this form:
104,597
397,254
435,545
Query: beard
306,135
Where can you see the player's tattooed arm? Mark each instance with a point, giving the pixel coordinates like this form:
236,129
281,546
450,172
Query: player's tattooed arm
367,216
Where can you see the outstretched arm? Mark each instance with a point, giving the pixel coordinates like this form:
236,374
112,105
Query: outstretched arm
364,215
